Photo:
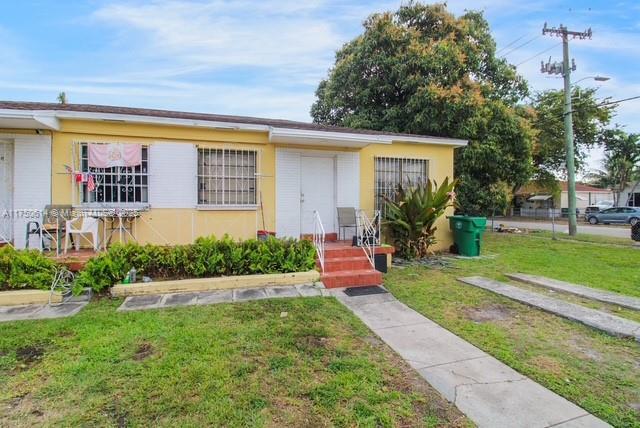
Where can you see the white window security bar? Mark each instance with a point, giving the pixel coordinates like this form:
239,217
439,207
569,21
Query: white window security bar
115,185
227,177
390,172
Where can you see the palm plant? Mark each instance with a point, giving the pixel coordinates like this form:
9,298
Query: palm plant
411,215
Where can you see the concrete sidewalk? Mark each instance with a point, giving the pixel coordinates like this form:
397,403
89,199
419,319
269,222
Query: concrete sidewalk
578,290
489,392
610,324
69,307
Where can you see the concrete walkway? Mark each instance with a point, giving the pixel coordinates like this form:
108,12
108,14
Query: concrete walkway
578,290
608,323
69,307
156,301
490,393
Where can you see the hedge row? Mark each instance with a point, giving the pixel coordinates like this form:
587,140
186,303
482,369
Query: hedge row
207,257
25,269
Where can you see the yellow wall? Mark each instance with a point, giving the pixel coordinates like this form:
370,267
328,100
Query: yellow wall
180,225
440,159
173,225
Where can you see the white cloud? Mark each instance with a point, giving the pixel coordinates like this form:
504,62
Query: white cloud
269,35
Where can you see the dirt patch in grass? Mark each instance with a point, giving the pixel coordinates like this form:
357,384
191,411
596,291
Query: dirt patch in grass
117,415
488,313
585,350
313,344
144,351
25,408
28,356
548,365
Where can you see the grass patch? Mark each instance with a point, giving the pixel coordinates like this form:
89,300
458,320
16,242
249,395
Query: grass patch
606,267
221,365
598,372
584,237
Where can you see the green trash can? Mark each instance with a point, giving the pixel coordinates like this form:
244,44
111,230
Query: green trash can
467,233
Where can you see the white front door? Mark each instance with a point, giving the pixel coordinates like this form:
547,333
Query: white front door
317,192
6,191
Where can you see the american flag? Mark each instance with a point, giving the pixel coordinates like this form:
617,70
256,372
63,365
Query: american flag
91,184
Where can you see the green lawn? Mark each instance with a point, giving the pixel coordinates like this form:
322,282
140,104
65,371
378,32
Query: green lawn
584,237
235,365
596,371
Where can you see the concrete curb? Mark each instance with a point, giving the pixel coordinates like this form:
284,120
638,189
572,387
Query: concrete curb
610,324
578,290
210,284
28,297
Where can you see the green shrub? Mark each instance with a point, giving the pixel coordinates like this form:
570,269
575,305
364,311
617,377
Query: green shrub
411,215
25,269
206,257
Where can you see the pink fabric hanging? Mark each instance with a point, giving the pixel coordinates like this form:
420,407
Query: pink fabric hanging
114,154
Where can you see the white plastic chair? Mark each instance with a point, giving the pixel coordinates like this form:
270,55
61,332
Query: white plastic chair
89,226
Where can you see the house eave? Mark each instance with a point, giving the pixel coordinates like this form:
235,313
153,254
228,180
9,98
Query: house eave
355,140
50,119
19,119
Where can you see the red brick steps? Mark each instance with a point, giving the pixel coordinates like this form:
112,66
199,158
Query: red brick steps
347,266
351,278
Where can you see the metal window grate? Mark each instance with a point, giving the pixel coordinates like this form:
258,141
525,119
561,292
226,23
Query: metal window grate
389,172
117,185
227,177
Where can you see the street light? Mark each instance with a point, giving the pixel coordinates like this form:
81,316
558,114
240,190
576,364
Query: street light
597,78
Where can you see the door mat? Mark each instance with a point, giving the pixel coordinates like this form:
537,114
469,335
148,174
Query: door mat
364,291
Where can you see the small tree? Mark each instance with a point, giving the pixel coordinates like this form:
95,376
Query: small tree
411,215
622,160
62,98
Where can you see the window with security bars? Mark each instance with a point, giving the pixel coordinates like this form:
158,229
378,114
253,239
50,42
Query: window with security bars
227,177
116,185
389,172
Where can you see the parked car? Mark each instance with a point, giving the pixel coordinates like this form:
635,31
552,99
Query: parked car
629,215
592,209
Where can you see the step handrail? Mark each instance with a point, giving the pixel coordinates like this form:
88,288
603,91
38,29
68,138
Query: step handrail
368,234
318,238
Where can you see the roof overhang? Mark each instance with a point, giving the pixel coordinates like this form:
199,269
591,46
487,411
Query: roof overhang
50,119
540,198
25,119
350,139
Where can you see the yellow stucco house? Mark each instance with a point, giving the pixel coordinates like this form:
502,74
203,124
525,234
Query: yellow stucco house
203,174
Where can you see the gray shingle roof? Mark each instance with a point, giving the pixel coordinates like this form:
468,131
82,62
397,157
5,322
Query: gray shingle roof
92,108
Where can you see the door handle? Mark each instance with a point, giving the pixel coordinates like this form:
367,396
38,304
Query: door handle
301,197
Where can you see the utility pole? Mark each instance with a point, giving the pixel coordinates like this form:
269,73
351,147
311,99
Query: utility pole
564,69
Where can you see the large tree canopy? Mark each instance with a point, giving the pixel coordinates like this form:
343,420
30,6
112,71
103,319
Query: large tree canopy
422,70
589,121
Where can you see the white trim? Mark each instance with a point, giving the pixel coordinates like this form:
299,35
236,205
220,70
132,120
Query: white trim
49,120
306,136
158,120
226,207
41,119
30,137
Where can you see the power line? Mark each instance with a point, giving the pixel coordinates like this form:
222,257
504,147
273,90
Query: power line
522,45
511,43
619,101
539,53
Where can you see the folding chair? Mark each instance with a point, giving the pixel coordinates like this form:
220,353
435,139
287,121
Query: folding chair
346,219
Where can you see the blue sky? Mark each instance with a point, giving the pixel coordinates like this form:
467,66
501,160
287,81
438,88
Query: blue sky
265,58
